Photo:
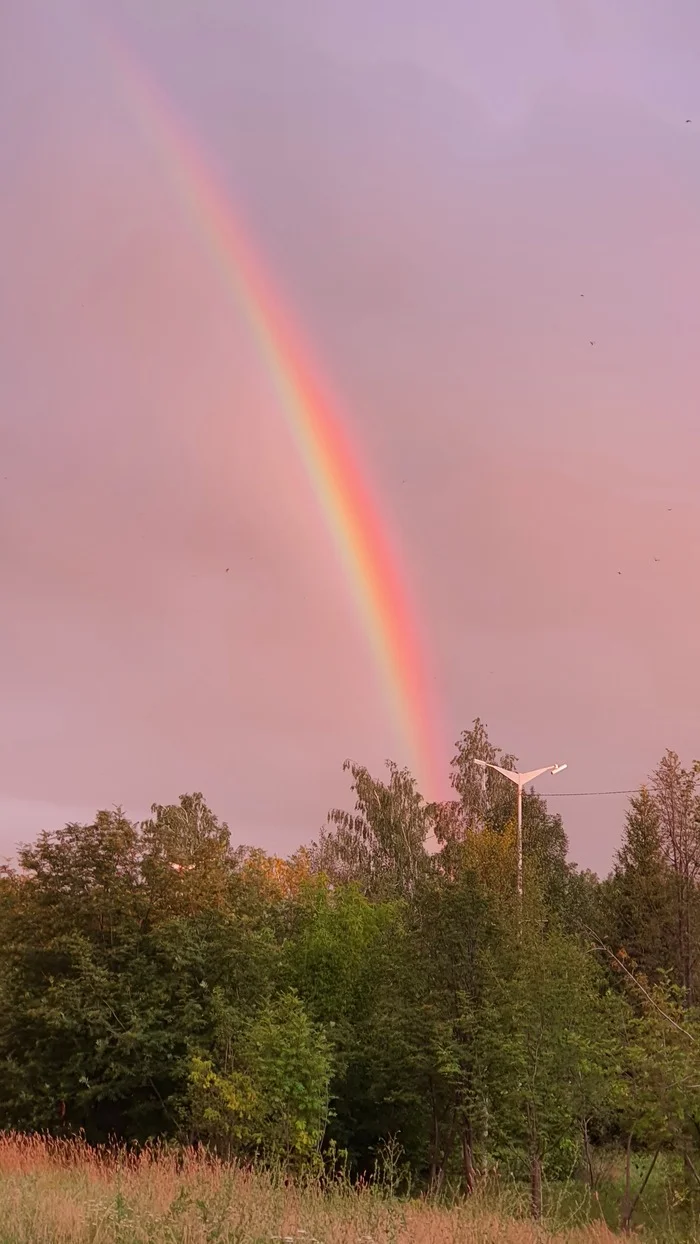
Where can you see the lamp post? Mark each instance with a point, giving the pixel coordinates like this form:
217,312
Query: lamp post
520,780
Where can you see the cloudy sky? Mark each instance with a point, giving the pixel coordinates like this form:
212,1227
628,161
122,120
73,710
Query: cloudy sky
456,198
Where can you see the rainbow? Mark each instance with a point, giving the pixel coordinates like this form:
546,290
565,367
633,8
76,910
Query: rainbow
360,536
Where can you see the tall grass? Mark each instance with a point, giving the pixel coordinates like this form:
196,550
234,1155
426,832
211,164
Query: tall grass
56,1192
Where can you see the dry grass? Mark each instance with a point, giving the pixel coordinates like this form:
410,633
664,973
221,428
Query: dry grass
57,1192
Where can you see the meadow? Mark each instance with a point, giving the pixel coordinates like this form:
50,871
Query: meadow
64,1192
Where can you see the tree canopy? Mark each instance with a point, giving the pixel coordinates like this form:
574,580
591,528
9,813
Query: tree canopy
160,980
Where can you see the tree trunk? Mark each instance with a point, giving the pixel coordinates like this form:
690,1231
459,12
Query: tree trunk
535,1167
535,1185
690,1168
626,1211
631,1206
588,1155
687,980
468,1158
435,1145
446,1155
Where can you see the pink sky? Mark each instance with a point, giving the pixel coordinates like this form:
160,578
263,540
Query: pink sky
434,199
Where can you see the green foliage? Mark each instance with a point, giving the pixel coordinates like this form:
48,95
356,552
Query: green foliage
113,971
274,1100
639,895
559,1050
487,802
289,1061
658,1096
223,1106
382,845
366,998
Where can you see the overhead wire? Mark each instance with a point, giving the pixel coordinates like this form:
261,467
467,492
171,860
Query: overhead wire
579,794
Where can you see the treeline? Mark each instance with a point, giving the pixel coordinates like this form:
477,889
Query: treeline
158,981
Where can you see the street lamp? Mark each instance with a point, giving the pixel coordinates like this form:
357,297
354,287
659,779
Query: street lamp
520,780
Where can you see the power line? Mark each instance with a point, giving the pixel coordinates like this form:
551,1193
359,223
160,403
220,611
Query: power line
579,794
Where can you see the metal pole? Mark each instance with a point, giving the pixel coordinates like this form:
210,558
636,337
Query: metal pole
520,854
520,780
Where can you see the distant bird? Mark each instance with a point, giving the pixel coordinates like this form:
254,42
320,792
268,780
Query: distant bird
688,121
591,343
227,570
670,507
619,572
182,868
657,559
582,295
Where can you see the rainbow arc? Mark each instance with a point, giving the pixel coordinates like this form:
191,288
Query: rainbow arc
331,462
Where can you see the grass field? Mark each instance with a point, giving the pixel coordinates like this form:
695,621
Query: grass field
56,1192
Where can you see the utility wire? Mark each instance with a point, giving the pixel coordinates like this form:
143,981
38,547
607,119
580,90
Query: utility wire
579,794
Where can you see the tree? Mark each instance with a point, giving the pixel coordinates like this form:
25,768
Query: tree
639,896
278,879
274,1098
115,967
545,846
675,796
487,802
84,877
187,860
345,956
457,939
331,956
556,1047
382,844
658,1094
157,982
485,798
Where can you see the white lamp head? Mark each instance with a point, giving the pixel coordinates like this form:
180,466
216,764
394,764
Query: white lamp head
558,769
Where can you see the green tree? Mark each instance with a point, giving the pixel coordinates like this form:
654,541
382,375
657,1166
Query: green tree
675,796
187,860
113,971
381,845
274,1098
487,801
84,877
639,895
345,956
658,1094
556,1020
458,937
